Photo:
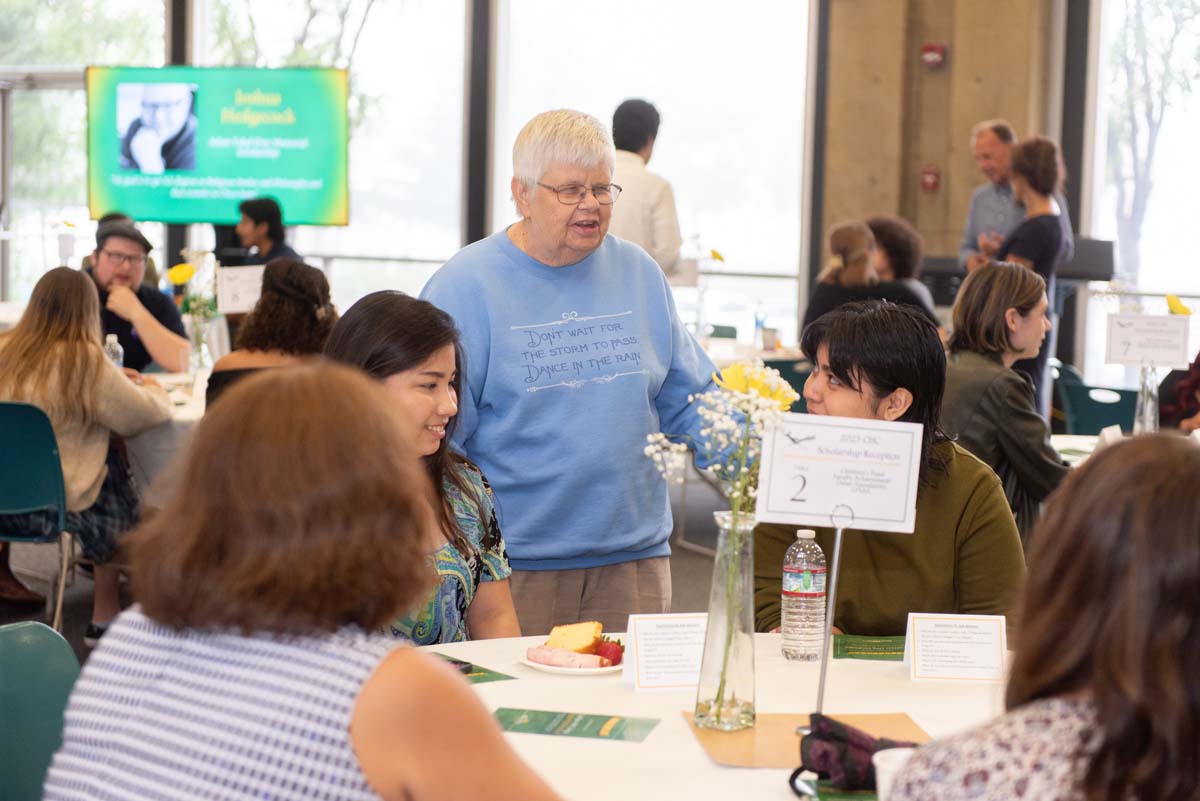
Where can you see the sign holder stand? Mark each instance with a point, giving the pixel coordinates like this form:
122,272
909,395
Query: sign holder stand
831,594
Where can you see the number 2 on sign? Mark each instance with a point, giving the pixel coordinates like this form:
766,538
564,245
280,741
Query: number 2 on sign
799,492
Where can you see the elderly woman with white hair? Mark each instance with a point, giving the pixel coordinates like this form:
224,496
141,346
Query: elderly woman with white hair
574,353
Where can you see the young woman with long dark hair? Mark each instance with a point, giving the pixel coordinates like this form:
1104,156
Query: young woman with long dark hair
413,348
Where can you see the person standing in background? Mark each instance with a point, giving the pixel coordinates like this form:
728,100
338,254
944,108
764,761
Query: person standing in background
995,212
646,214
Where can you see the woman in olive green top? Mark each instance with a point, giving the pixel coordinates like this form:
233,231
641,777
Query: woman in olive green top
1000,317
880,361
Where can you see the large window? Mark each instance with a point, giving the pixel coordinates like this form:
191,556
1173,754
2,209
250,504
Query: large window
48,217
406,63
1145,172
730,86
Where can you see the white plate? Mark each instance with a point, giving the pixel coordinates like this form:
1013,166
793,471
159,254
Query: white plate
566,671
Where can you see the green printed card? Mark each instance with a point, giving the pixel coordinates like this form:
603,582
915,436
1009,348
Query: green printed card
477,674
574,724
884,649
827,792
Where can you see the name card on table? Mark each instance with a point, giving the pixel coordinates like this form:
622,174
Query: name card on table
238,288
861,473
1146,340
955,647
663,652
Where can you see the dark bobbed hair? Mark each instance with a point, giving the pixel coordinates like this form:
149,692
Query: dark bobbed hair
983,299
300,510
635,122
901,242
1039,162
886,346
265,210
293,314
1111,608
389,332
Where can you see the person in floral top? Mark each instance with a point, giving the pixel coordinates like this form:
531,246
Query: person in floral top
1103,699
413,348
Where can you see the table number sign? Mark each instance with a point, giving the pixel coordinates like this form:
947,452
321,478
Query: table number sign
238,288
1146,340
955,647
814,465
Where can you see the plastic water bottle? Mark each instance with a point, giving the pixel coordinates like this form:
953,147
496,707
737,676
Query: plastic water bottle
760,323
803,601
113,350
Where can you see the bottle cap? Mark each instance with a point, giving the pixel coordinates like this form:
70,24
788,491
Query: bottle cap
110,339
805,534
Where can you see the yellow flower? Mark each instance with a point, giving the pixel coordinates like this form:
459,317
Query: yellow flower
755,379
180,274
1175,305
716,255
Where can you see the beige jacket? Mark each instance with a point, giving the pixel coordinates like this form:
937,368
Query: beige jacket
122,407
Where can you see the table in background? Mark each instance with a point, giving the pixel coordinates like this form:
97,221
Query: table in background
670,764
152,451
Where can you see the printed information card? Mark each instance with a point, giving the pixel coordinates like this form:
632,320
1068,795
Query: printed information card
861,473
574,724
663,652
955,647
238,288
1147,340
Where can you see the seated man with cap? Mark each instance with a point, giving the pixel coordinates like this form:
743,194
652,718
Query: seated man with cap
146,322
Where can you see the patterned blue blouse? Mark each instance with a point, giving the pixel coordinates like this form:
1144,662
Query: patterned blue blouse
443,617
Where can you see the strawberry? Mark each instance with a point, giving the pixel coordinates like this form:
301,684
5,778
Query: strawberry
611,650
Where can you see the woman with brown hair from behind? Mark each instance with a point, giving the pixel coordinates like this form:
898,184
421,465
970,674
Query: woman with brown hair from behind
252,664
850,275
1103,700
53,359
291,320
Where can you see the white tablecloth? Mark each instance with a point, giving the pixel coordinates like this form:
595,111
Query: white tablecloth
152,451
670,764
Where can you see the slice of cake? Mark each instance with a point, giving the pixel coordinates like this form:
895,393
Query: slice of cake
582,638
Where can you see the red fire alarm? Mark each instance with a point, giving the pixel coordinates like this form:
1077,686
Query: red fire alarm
931,179
933,55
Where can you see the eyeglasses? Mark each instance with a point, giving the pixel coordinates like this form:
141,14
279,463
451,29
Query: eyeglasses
123,258
573,194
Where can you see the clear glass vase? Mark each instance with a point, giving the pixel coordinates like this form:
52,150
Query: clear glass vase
1146,419
725,696
201,357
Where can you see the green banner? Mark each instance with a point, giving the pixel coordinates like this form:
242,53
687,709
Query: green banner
573,724
885,649
187,144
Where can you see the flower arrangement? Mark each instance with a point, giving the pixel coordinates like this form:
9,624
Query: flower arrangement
748,399
200,307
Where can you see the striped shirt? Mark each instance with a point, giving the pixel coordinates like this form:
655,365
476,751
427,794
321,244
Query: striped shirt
165,714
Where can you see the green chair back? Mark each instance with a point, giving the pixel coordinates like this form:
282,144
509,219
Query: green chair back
31,477
1090,409
37,671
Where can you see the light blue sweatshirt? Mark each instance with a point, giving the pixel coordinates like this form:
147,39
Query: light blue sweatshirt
567,370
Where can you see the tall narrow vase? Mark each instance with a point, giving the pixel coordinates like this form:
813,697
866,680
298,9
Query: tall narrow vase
201,357
725,696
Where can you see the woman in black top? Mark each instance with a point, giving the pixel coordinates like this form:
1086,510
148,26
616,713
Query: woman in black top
1037,243
850,275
